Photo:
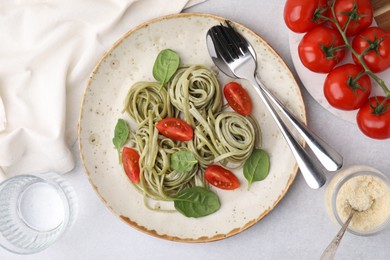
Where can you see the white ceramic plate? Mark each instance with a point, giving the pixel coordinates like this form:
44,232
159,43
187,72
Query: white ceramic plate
314,82
131,59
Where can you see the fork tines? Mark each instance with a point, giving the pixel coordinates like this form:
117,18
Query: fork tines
236,38
225,47
230,42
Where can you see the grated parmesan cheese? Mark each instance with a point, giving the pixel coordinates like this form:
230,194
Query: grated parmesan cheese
370,196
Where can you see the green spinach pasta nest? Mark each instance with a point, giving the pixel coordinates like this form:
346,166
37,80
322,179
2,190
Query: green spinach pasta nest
220,136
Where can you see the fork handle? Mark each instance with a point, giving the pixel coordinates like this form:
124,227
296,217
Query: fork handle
329,158
309,167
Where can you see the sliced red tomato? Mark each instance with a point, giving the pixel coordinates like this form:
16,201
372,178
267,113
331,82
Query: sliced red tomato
303,15
130,161
373,118
361,13
221,178
343,91
175,128
376,42
321,49
238,98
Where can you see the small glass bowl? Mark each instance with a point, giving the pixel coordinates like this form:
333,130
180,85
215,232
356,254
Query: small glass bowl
29,222
333,190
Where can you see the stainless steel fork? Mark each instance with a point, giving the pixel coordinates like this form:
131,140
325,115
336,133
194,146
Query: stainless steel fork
234,56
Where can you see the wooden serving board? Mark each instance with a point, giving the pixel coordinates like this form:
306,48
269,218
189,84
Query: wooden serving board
382,13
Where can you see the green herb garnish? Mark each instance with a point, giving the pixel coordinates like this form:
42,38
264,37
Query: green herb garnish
196,202
183,161
121,133
256,167
165,66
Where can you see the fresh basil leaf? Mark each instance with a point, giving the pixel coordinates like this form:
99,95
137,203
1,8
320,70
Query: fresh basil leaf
196,202
121,133
183,161
256,167
165,66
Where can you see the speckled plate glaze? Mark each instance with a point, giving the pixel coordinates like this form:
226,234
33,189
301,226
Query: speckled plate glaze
314,82
131,59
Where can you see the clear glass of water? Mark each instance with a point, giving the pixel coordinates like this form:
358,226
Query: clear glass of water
35,210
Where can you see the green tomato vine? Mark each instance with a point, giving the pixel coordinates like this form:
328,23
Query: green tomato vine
353,15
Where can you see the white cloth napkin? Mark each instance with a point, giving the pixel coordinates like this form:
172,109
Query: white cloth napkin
48,48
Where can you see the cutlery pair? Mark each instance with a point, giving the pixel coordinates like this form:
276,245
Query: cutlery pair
236,58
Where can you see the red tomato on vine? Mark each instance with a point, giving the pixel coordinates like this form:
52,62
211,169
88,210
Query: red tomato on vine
345,88
303,15
321,49
375,42
373,118
360,11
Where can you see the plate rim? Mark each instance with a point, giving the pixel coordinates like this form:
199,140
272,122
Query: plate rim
126,219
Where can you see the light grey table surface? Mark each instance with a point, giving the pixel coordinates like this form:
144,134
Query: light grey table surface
298,228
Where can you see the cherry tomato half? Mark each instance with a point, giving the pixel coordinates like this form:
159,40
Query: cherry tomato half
221,178
378,40
362,15
373,118
342,90
175,128
302,15
130,161
238,98
321,49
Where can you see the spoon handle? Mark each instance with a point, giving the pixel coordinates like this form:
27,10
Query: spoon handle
329,158
330,251
310,169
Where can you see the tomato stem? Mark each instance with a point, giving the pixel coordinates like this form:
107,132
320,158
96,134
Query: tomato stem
358,76
331,50
380,108
385,100
359,57
318,14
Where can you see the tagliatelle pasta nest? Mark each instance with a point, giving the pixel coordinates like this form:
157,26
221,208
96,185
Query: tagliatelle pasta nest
195,95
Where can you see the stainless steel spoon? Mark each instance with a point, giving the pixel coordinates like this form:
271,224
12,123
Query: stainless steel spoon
330,251
235,57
